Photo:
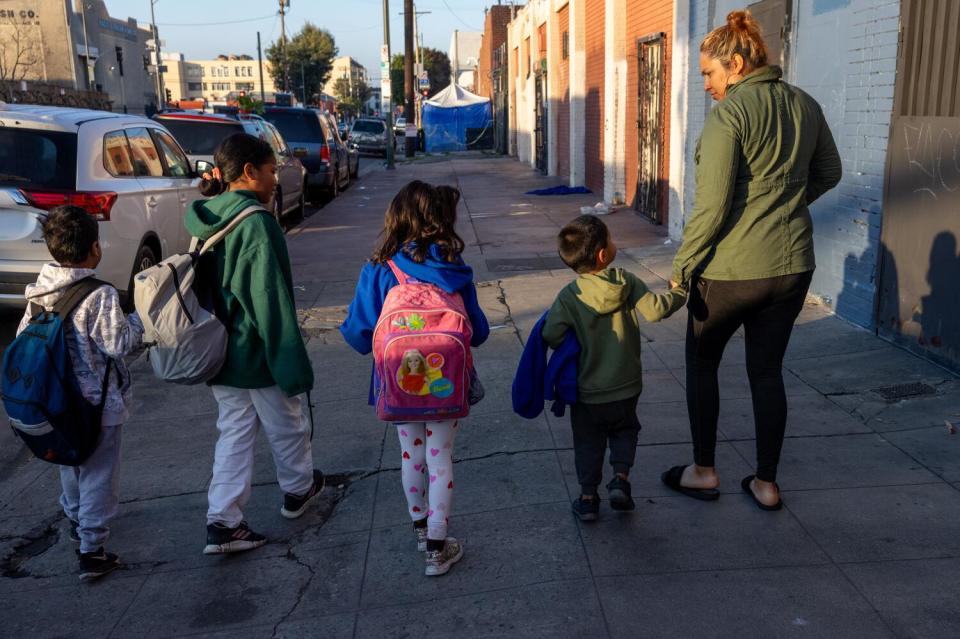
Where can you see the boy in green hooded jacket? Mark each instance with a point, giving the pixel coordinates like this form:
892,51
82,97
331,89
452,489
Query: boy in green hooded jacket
601,307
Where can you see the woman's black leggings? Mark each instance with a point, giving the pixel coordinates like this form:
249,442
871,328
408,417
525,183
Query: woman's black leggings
767,309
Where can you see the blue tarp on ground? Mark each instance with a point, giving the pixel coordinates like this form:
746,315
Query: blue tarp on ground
454,119
560,190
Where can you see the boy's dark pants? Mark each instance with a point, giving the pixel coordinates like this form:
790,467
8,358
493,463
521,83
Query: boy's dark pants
594,425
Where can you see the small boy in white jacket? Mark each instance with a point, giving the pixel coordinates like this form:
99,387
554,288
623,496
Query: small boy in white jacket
97,332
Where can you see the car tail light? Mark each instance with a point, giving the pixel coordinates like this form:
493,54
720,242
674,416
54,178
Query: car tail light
96,203
325,153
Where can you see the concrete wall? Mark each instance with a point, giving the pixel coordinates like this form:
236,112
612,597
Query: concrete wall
842,52
523,53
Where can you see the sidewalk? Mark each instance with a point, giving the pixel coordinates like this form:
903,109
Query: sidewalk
867,546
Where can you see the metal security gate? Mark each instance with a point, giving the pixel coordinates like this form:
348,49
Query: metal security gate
919,299
650,84
540,124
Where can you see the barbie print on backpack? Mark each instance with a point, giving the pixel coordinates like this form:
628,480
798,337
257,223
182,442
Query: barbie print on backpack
416,309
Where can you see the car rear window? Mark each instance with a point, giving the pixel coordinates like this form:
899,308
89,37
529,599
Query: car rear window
30,158
368,126
197,137
296,126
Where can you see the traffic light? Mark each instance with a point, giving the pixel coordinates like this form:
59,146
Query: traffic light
243,94
119,51
169,96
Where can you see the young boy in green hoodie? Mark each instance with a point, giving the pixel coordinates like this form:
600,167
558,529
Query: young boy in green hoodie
601,307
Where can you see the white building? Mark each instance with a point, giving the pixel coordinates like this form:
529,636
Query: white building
464,57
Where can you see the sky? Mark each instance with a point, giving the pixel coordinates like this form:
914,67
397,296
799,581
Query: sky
196,28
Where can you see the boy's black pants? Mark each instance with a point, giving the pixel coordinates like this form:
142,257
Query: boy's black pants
596,425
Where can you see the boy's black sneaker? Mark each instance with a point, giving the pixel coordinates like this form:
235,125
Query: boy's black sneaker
94,565
221,539
296,505
619,494
586,509
74,534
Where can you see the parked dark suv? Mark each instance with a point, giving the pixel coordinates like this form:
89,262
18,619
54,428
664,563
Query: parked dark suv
308,133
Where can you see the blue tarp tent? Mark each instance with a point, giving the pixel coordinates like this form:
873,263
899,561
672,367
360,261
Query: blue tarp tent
455,119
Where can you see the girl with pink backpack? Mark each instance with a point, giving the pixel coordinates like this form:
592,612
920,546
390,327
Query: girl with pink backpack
416,309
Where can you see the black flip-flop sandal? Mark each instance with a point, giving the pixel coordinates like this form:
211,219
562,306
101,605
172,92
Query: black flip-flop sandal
745,485
671,479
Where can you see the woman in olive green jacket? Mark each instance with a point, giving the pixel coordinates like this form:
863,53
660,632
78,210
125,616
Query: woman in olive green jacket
764,155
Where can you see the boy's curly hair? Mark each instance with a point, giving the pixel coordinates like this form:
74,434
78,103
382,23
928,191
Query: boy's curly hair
70,233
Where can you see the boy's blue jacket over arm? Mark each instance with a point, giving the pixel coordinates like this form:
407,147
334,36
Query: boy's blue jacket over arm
538,379
376,280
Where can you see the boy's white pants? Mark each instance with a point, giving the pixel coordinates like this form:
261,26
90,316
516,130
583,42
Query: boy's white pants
287,429
90,491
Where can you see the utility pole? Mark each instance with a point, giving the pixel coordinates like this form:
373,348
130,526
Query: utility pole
283,44
156,48
385,84
410,134
86,47
263,97
418,44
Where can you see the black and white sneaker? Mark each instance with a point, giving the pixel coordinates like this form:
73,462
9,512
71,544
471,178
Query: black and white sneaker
221,539
94,565
296,505
74,534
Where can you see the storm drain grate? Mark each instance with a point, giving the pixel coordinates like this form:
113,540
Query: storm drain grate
903,391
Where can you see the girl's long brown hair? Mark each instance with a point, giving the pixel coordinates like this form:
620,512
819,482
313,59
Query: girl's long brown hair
418,216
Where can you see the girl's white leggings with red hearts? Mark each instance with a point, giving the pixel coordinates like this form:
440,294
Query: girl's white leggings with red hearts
427,472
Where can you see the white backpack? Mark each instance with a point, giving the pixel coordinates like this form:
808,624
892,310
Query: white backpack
188,341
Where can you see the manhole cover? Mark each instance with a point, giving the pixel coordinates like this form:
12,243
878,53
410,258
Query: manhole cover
902,391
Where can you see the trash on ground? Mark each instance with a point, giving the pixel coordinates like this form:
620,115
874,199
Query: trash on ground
668,242
951,429
560,190
600,208
497,327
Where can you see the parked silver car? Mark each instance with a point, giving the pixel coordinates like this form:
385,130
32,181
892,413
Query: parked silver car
126,171
200,133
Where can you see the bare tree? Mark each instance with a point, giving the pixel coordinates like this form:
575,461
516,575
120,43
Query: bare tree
20,51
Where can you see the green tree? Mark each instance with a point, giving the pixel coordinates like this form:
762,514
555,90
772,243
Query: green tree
351,95
435,62
307,59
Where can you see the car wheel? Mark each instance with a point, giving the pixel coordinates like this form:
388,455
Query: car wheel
278,206
335,187
301,209
346,183
146,258
356,170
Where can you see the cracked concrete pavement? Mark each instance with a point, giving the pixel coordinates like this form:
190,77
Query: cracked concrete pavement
868,544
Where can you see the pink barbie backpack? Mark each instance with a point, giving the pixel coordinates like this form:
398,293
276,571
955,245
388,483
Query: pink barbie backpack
421,351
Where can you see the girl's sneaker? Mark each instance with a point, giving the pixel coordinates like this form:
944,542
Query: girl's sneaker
421,538
440,561
221,539
96,564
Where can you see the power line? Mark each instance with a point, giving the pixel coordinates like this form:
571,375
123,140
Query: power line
212,24
471,27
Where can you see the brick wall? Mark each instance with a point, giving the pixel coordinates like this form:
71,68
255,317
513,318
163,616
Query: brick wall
846,58
593,103
645,18
494,34
562,104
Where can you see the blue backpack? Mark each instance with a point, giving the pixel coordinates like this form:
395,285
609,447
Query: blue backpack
40,391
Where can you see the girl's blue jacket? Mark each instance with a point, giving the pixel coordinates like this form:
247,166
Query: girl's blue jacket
376,280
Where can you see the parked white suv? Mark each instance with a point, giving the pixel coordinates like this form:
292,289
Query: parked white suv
125,170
